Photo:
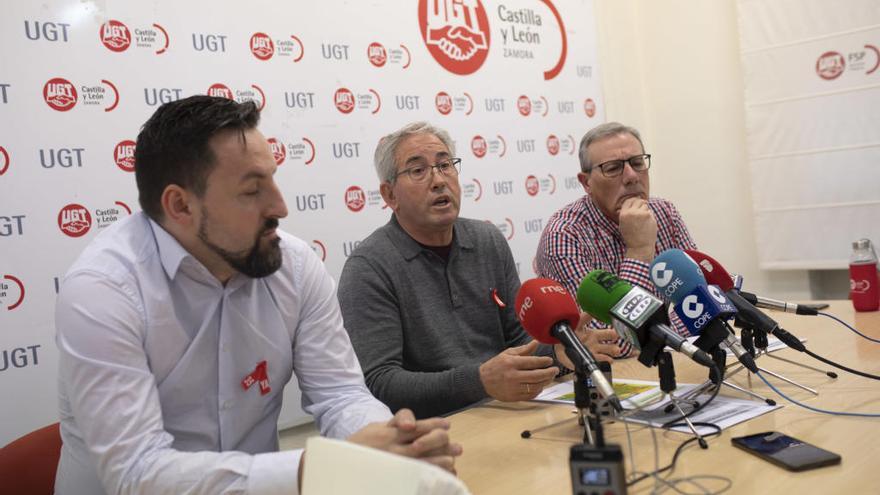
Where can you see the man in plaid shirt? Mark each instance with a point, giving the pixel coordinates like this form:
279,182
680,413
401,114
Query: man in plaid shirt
615,226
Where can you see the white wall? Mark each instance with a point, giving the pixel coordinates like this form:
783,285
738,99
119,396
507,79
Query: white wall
673,70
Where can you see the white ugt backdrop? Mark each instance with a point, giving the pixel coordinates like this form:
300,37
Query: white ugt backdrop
515,82
812,80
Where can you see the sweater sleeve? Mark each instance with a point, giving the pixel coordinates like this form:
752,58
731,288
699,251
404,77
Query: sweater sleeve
370,310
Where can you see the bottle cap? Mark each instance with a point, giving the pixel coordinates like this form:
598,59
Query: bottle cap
862,244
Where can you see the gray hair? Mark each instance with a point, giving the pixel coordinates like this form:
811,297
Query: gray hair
383,159
602,131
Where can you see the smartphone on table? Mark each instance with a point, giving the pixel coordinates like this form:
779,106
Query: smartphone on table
785,451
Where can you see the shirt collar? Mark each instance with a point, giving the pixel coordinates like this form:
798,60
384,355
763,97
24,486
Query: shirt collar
175,258
409,248
171,253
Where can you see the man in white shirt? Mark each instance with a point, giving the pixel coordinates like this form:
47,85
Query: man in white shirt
179,326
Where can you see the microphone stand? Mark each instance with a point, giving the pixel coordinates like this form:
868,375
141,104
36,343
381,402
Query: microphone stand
756,342
709,341
590,408
653,353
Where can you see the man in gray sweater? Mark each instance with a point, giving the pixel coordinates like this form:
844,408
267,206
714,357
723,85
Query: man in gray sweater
427,299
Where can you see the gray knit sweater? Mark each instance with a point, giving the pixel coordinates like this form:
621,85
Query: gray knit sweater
422,326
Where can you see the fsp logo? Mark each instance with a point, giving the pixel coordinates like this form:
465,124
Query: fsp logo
660,275
692,306
830,65
860,286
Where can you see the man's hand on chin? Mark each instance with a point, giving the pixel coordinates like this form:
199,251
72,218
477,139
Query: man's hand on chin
638,227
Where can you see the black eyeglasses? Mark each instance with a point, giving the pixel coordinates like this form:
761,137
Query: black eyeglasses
613,168
420,173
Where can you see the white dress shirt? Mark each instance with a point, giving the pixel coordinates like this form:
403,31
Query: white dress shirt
153,351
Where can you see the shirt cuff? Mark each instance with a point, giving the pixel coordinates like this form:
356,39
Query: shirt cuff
637,272
275,473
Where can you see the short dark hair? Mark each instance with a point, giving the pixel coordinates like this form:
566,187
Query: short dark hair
172,147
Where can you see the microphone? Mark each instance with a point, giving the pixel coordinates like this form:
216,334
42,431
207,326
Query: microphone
707,265
548,313
716,273
777,305
701,307
615,302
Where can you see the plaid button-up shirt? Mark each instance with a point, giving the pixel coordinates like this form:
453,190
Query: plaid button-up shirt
579,238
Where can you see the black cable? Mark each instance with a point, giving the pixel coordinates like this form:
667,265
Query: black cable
693,411
678,451
840,366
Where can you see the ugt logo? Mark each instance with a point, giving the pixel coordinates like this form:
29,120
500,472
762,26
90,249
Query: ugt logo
377,54
74,220
355,199
344,100
123,155
262,46
456,33
59,94
115,36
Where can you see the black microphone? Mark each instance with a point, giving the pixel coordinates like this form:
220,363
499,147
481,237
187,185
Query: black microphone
777,305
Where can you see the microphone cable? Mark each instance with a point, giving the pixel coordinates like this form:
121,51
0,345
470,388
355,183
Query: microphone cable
672,422
840,366
811,408
823,359
847,325
671,466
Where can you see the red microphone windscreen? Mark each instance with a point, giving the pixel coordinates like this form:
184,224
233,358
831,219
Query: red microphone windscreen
541,303
712,270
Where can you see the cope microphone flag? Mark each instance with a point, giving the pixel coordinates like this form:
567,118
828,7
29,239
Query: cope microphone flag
716,274
701,307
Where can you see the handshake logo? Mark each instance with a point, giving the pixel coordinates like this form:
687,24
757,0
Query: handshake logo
456,33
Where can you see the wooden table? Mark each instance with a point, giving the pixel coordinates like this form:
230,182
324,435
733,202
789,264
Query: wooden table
497,460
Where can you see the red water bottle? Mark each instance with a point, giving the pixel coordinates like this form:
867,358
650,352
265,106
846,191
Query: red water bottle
863,279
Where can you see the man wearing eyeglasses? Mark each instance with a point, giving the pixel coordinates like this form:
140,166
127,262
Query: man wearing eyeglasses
615,226
428,298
